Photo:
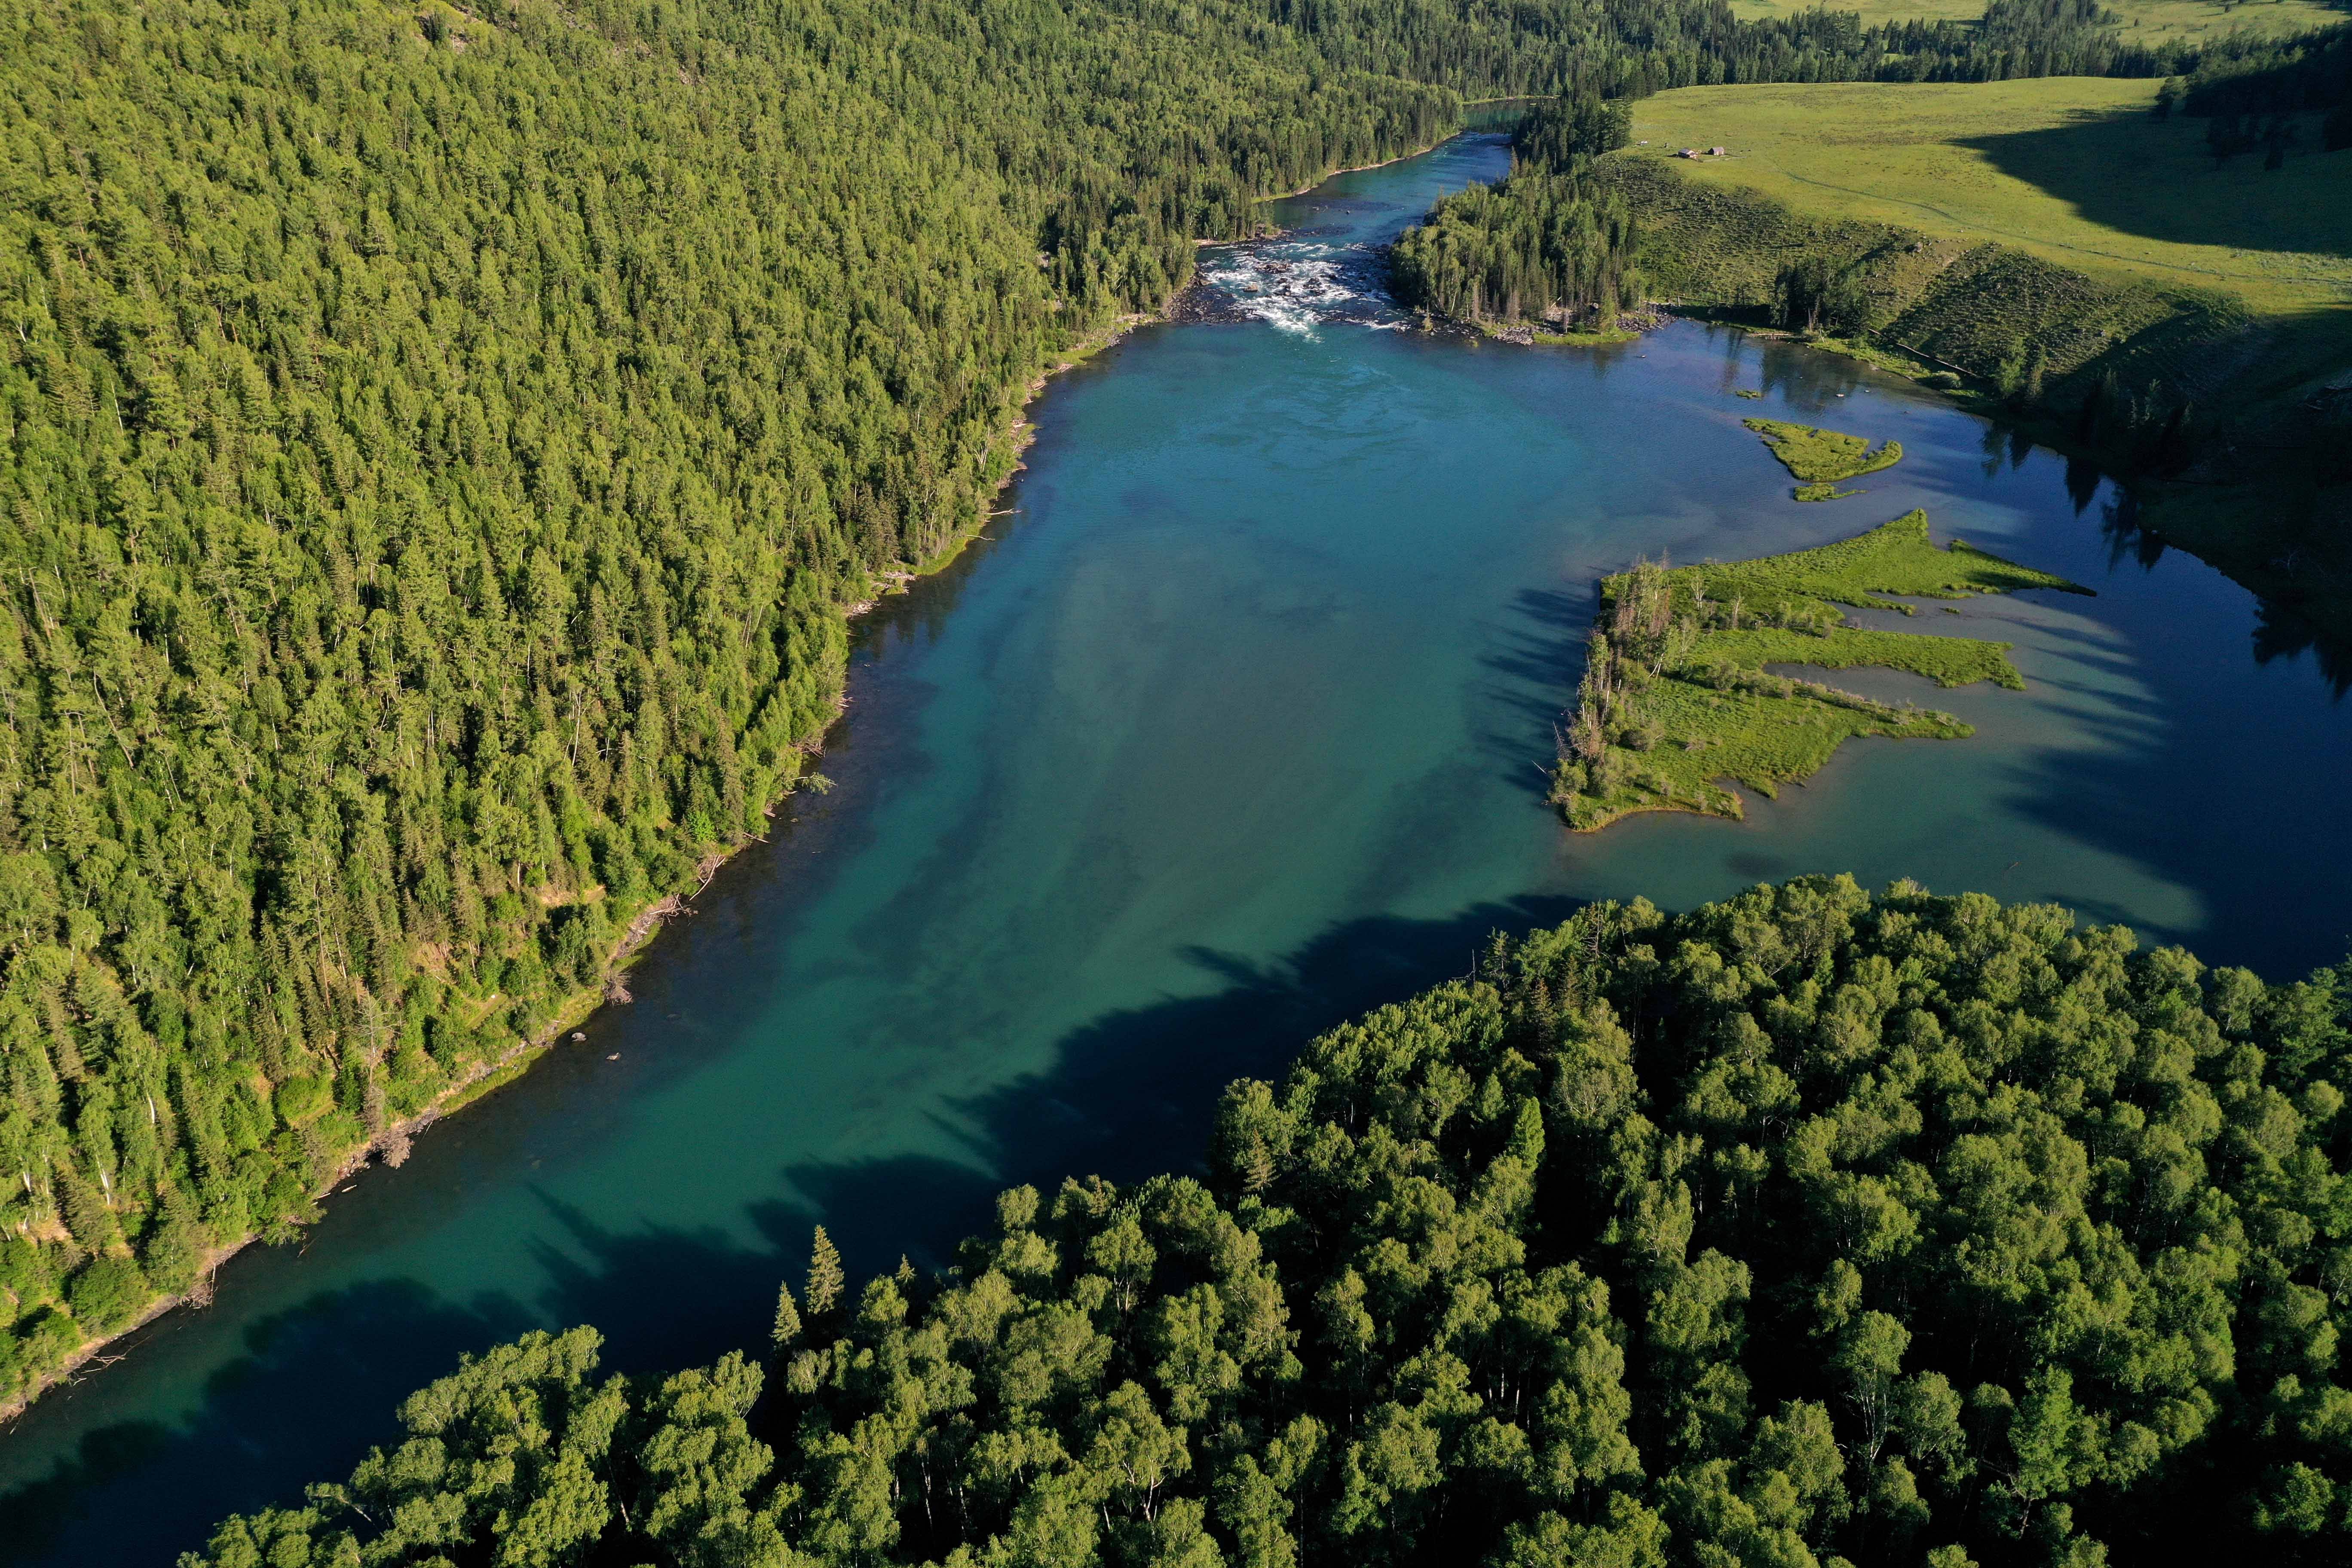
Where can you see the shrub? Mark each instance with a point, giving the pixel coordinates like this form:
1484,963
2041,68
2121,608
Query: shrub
1642,735
301,1099
48,1339
107,1293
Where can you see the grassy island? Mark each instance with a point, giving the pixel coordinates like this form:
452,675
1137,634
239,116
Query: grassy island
1677,696
1822,459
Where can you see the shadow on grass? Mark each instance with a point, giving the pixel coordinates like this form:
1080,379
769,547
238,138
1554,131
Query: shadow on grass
2127,170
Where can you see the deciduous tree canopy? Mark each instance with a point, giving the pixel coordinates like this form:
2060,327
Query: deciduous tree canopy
1806,1227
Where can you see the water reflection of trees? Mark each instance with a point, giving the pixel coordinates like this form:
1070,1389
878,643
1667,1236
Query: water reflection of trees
2281,632
2120,525
1806,378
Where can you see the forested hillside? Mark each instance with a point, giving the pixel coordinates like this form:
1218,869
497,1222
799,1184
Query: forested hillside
439,449
1628,47
438,446
1807,1227
1542,244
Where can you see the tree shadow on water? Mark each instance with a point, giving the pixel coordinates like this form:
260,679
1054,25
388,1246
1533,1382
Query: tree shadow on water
1538,665
2145,791
315,1386
1132,1093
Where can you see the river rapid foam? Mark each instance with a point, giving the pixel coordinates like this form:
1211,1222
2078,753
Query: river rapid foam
1296,283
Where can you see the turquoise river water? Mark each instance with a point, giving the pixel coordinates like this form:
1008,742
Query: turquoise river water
1235,725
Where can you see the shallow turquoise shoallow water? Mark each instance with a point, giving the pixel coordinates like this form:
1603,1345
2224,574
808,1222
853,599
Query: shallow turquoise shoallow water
1236,726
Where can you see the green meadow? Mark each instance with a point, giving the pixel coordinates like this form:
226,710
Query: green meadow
2074,170
1822,459
2064,259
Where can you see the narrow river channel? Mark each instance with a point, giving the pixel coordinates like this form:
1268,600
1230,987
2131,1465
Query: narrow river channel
1235,725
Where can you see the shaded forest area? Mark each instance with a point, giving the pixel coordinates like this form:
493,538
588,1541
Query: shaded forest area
1807,1229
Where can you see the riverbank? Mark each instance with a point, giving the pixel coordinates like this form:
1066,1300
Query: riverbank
2006,244
1035,928
1351,169
557,1018
1629,328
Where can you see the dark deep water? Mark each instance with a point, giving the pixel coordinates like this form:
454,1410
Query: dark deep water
1236,727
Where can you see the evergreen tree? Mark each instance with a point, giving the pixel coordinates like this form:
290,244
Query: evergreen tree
788,1318
826,1278
1809,1227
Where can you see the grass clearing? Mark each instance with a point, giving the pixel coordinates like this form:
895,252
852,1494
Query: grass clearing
1822,459
1678,698
2069,263
2144,21
2074,170
1936,303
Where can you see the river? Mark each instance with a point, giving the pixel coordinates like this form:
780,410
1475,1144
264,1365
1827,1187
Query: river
1235,725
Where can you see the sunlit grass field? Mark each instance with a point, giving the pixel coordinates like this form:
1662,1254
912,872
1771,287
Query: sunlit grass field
2074,169
2154,20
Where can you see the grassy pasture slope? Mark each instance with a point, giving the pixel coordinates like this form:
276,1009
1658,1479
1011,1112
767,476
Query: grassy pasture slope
2070,169
2042,236
2154,21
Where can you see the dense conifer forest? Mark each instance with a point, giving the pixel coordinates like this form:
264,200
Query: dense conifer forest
438,450
438,445
1539,245
1808,1227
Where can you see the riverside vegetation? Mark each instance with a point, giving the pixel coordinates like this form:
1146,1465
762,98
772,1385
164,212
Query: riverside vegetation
2068,254
1822,459
1810,1227
438,448
1538,246
2150,275
1555,243
439,445
1676,697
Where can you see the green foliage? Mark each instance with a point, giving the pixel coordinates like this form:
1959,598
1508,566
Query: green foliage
1537,246
1568,132
437,443
2126,356
1802,1227
437,447
1821,458
2243,76
1813,294
1677,696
